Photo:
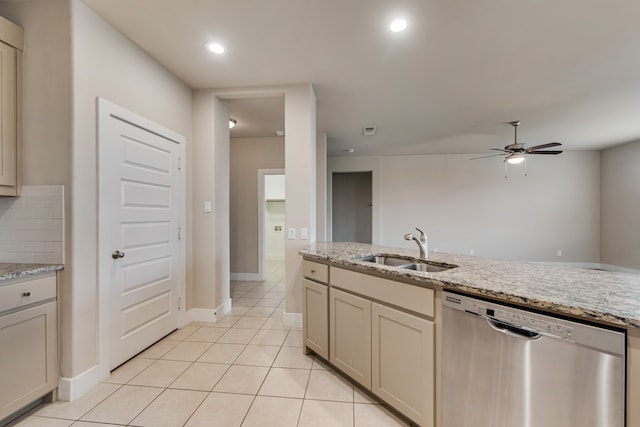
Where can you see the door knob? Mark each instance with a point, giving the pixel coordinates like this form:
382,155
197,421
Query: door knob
117,254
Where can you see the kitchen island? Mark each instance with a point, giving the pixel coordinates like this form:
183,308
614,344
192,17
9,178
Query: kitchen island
606,298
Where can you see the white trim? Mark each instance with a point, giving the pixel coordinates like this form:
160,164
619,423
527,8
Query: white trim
104,110
208,314
247,277
72,388
293,320
261,212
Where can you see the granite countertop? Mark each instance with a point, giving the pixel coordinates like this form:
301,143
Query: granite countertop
19,271
602,296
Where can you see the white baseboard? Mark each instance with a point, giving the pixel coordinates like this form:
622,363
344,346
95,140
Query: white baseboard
73,388
208,314
293,320
246,277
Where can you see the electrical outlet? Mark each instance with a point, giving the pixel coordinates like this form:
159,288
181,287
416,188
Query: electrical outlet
471,252
291,233
559,253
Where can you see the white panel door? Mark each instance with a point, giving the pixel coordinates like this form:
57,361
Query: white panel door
140,206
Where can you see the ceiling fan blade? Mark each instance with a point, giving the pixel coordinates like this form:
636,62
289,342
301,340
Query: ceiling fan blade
484,157
538,147
545,152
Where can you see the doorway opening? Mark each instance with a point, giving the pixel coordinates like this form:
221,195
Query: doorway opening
271,227
351,207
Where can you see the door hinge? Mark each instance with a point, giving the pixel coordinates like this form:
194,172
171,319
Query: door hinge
179,163
179,233
179,303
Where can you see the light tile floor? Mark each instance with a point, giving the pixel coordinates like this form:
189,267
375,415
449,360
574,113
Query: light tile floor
245,370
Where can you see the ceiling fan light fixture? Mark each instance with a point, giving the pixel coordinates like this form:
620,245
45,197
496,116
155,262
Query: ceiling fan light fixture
515,159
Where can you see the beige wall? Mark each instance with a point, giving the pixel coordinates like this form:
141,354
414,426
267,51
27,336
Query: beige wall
46,87
620,181
247,156
105,64
300,165
321,187
463,204
210,239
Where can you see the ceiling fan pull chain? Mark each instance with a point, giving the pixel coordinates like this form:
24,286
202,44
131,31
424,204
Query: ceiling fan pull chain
505,170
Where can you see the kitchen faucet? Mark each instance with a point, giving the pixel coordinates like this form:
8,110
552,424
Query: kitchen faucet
422,243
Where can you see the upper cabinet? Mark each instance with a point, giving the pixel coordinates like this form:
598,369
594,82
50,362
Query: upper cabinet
11,42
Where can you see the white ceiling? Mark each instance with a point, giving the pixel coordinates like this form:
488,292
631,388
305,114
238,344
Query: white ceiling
569,69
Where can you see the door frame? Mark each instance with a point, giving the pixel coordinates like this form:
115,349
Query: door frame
106,110
262,206
356,164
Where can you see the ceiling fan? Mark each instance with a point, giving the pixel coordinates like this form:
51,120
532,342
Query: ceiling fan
516,153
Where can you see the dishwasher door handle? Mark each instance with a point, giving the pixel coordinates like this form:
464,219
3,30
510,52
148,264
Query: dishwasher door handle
512,330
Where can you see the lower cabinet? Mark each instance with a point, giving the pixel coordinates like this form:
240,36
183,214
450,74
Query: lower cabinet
350,335
402,353
382,335
315,317
28,354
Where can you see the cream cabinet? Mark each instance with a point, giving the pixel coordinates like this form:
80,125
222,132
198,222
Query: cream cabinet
315,317
402,359
11,39
28,342
315,308
350,335
382,334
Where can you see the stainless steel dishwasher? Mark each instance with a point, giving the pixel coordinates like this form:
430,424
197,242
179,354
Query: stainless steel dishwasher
507,367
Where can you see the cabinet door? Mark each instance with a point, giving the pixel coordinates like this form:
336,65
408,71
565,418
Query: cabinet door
28,356
8,116
315,317
403,362
350,335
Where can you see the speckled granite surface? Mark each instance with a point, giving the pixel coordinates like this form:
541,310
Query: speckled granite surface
613,298
18,271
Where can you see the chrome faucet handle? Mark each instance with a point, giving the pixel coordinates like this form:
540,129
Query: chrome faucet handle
423,236
408,236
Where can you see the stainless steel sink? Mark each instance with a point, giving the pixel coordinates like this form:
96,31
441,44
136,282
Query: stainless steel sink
387,260
407,263
430,268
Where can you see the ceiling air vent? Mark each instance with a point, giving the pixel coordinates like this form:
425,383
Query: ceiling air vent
369,130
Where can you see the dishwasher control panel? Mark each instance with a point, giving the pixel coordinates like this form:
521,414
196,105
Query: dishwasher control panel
511,316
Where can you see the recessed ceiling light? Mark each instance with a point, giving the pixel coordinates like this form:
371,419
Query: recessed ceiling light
398,25
349,150
215,48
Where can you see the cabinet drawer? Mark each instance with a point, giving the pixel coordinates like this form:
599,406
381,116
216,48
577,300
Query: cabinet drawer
315,271
415,298
28,292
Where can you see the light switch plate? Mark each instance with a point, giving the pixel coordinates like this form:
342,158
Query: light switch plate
291,233
207,206
304,233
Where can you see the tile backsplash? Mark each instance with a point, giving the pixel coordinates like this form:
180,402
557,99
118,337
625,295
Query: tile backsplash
32,225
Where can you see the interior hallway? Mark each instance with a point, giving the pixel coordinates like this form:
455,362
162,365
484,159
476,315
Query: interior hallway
245,370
